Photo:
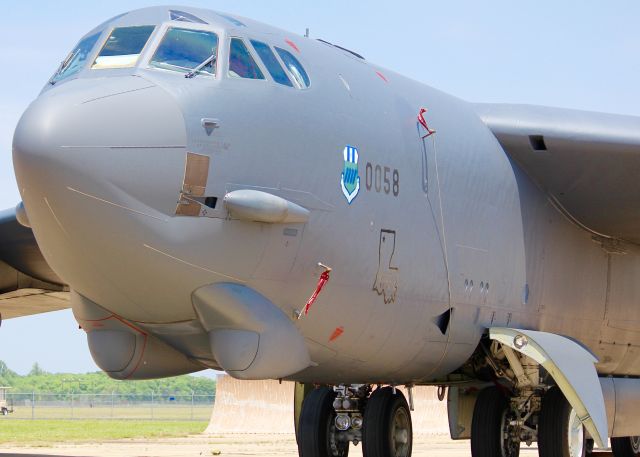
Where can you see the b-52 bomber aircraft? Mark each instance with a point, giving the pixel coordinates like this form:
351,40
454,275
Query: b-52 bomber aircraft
205,191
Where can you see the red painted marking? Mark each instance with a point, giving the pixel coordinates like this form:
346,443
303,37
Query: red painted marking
130,325
336,334
95,323
99,323
324,278
423,122
97,320
382,76
118,318
292,44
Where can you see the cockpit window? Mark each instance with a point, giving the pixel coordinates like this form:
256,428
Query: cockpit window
185,17
271,62
185,49
76,60
295,68
232,20
241,64
123,47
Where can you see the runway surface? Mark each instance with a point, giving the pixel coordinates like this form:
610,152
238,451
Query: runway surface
230,445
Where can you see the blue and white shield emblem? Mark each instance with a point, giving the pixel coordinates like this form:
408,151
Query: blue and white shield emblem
350,180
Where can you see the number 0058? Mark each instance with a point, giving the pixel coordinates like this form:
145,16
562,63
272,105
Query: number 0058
382,179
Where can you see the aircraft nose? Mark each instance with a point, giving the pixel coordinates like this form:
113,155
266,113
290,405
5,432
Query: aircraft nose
87,132
93,157
124,112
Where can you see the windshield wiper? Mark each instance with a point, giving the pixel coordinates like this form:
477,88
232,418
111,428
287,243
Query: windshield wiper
210,60
63,66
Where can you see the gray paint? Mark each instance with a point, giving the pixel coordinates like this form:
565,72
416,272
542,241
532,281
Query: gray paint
622,399
126,351
19,250
250,337
100,163
587,163
257,206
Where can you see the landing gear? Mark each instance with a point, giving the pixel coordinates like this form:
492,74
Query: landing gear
494,432
317,432
330,419
525,405
387,425
626,446
501,422
560,432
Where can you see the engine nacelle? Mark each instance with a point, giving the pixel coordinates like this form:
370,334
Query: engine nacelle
124,351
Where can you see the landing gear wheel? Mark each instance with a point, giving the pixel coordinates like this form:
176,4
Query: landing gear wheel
387,430
5,411
317,431
492,434
625,446
560,432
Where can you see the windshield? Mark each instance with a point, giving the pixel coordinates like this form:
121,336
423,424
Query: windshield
241,64
295,68
76,60
273,66
123,47
185,49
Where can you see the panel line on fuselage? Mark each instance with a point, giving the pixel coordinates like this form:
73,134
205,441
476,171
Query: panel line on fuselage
445,254
116,205
193,265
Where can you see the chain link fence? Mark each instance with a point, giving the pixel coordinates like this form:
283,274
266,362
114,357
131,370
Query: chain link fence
33,406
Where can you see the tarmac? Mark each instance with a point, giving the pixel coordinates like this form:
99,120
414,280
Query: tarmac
235,445
231,445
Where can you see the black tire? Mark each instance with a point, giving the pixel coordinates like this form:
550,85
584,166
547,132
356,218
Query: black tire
387,430
489,416
625,446
557,419
5,411
317,424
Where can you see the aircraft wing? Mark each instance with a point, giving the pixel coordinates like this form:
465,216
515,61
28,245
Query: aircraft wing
27,283
588,163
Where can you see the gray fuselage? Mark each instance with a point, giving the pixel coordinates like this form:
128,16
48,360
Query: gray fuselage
445,238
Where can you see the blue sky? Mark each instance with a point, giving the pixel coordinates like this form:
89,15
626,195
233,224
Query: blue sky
576,53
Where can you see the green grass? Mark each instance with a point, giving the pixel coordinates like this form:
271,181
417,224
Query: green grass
137,412
40,432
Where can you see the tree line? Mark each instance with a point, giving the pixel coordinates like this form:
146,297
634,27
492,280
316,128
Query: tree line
41,381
